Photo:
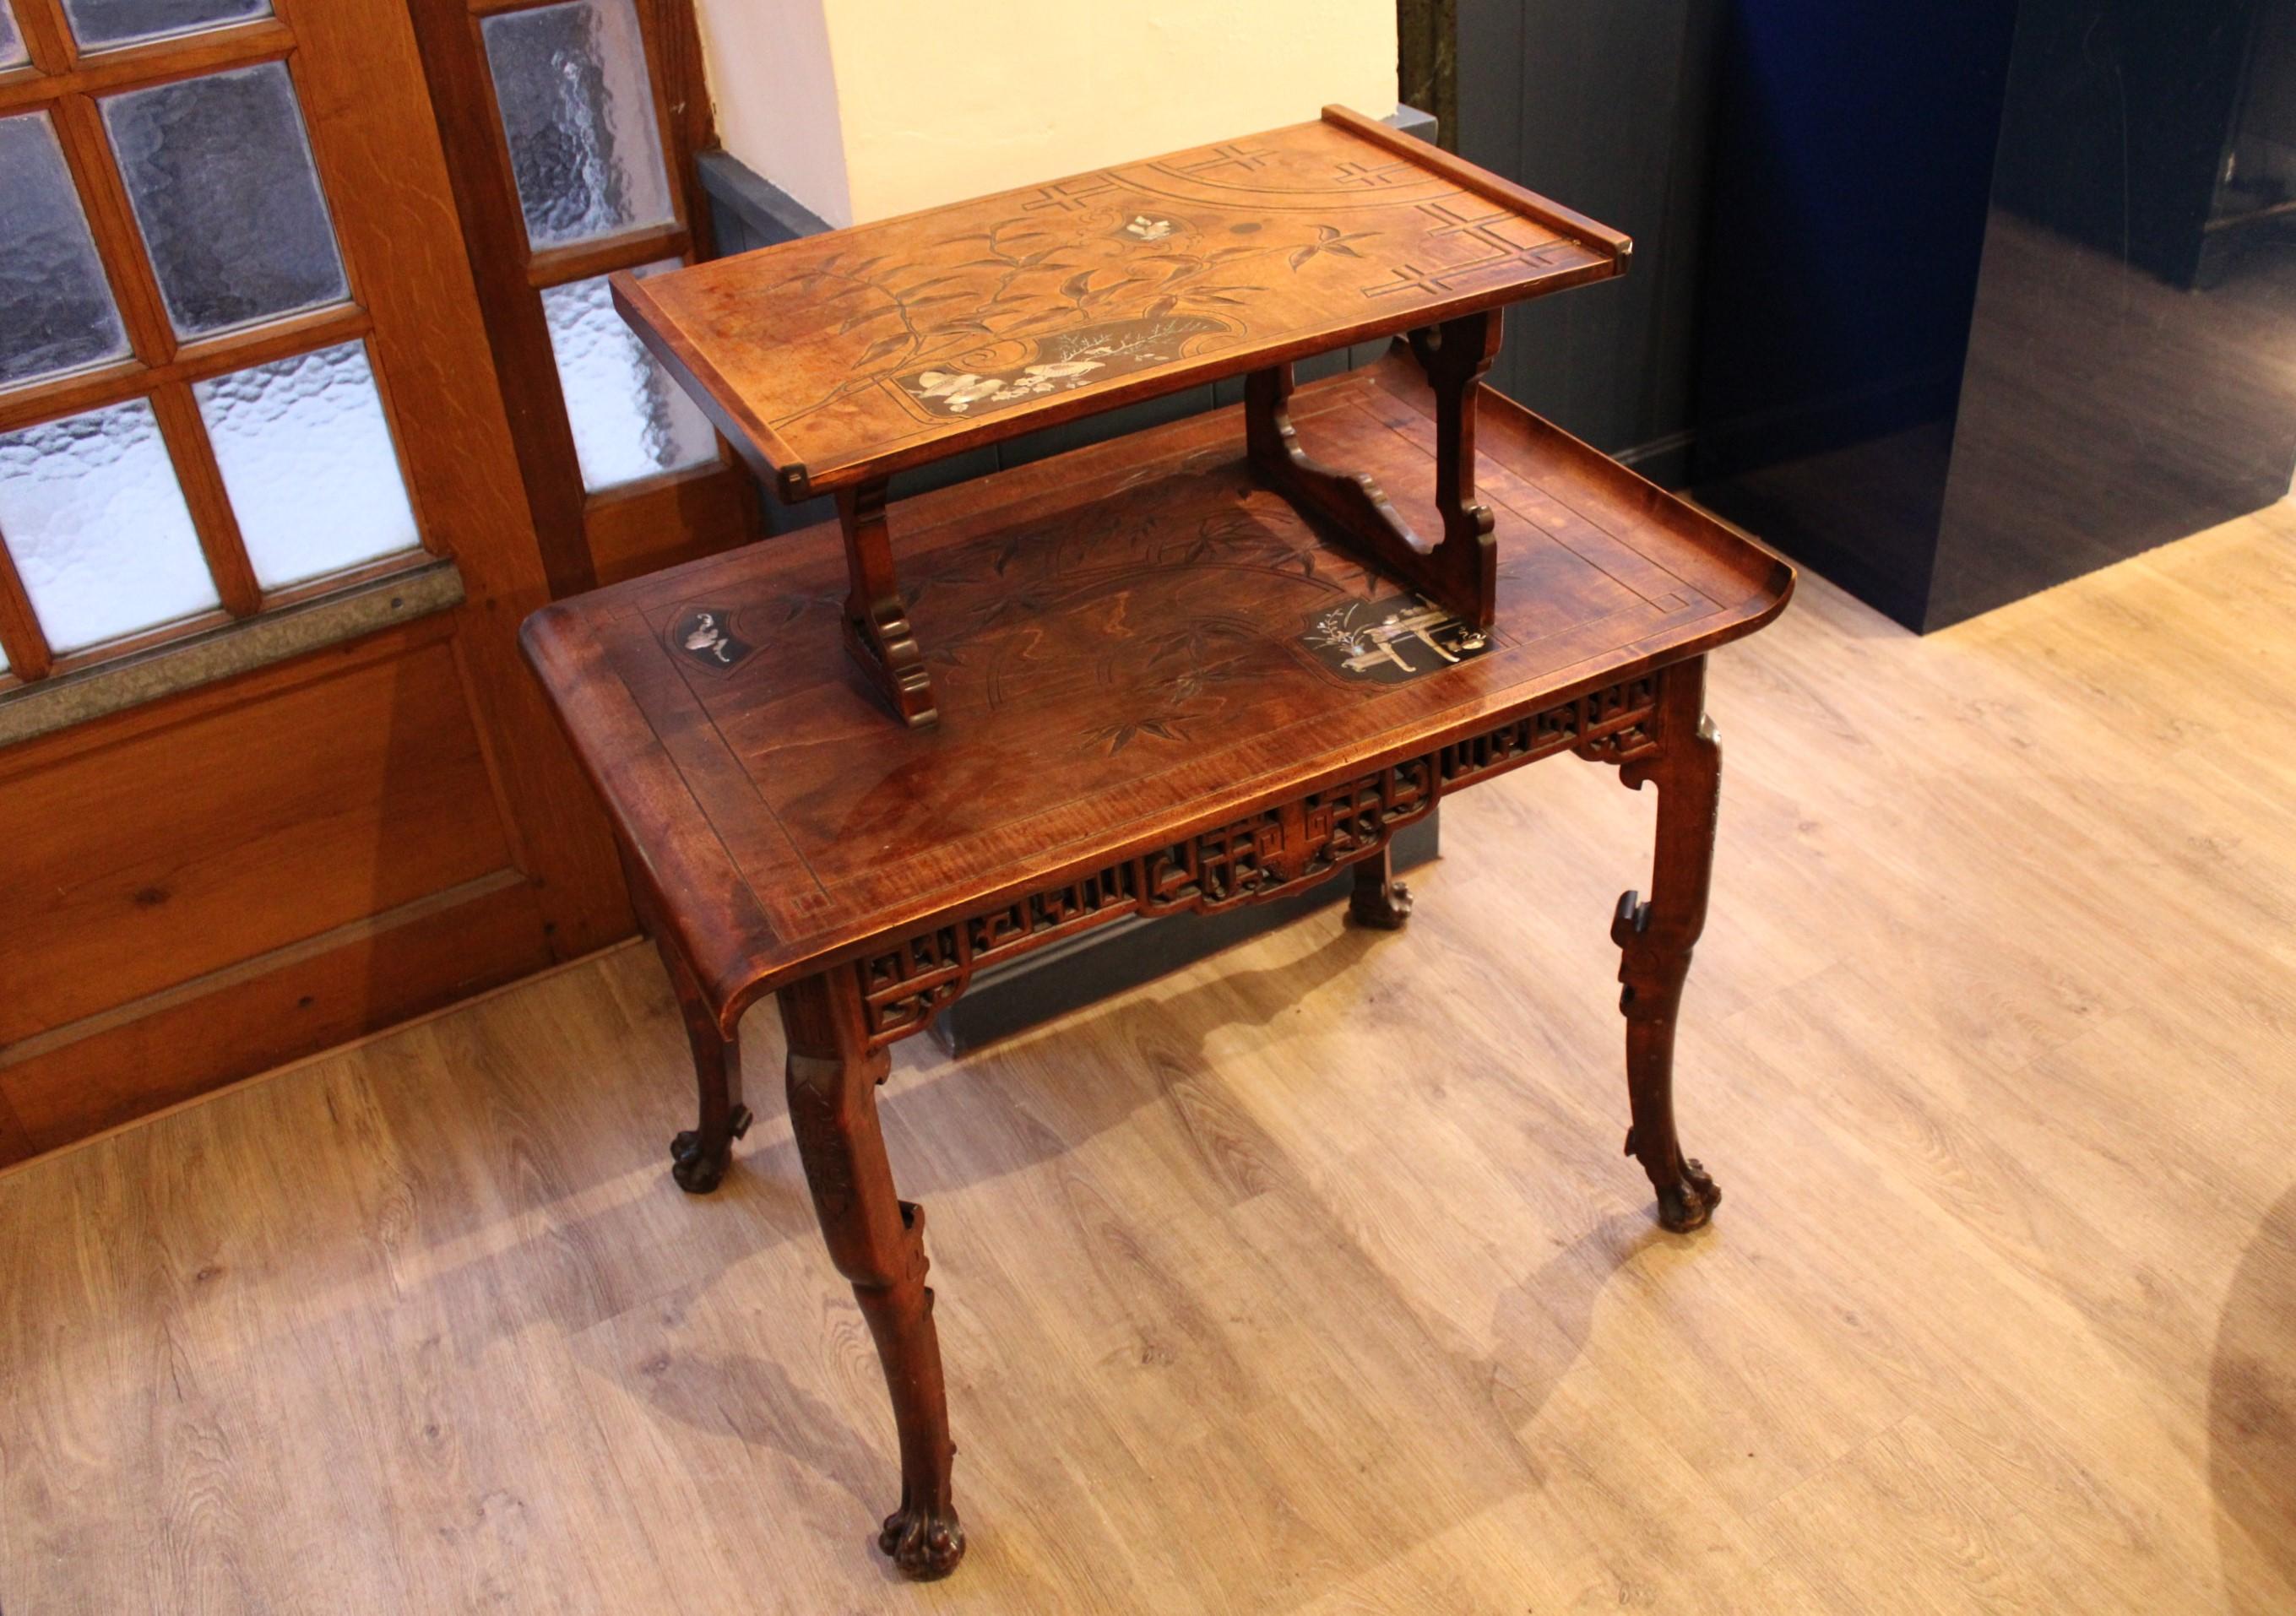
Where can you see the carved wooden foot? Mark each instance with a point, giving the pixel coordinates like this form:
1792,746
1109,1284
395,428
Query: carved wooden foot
877,1241
924,1545
1653,975
1379,900
1655,939
883,647
699,1155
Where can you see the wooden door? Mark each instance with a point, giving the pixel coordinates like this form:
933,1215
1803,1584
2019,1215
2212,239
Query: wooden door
243,402
570,128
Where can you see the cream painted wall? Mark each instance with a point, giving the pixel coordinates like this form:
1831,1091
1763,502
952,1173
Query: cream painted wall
861,109
776,97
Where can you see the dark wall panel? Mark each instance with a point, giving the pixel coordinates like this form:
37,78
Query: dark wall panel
1605,107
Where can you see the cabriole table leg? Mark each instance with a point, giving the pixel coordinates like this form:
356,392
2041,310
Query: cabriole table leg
878,1241
699,1155
1655,939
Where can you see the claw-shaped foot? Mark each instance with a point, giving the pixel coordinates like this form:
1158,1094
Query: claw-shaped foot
1381,909
1689,1204
922,1544
698,1171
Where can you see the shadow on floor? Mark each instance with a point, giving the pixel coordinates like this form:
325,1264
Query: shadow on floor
2252,1422
1492,1390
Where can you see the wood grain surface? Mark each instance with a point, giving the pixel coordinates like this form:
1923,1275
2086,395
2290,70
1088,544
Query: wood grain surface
1124,642
1309,1280
854,354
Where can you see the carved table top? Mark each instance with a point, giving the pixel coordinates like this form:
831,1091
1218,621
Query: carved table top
853,354
1136,647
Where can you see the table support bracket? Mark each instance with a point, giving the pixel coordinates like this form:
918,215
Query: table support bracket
878,636
1460,572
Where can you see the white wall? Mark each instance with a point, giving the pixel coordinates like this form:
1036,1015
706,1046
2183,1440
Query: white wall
861,109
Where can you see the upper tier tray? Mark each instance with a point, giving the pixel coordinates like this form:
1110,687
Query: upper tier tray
846,356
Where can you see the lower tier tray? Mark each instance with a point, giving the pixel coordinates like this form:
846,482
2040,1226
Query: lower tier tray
1133,645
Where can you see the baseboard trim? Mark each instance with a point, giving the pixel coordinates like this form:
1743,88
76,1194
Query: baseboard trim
1029,992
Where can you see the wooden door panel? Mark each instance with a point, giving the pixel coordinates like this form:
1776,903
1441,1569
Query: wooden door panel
177,853
357,980
220,880
673,520
378,140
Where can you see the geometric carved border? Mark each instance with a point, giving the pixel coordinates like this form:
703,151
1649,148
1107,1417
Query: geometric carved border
1276,851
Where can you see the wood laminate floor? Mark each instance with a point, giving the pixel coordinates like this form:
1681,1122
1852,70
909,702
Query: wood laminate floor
1312,1279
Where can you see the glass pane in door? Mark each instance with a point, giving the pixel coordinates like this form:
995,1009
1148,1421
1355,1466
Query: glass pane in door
11,39
56,312
98,23
629,419
219,171
577,110
90,515
308,463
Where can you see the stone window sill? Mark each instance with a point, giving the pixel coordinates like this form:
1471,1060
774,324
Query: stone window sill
65,699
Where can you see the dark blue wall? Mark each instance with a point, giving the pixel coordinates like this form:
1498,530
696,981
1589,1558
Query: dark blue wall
1951,300
1852,153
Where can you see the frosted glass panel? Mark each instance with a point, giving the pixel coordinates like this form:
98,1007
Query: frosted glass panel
219,170
307,460
56,309
630,420
570,81
12,51
102,23
91,513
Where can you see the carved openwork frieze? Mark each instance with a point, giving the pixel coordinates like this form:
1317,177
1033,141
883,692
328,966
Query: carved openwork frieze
1275,851
1612,724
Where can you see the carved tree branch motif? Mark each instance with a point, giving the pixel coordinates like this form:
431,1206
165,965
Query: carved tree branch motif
1034,294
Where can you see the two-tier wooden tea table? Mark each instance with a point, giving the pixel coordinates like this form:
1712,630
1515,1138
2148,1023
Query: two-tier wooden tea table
1175,671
